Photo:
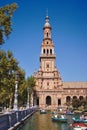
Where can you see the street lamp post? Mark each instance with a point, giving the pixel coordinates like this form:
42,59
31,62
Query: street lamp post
27,98
15,107
32,100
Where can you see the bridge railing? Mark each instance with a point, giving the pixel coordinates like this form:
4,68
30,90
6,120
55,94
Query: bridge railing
9,119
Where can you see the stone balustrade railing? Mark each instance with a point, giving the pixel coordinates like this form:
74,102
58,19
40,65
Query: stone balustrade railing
10,120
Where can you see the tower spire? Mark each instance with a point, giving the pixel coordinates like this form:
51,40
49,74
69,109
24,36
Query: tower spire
47,12
47,17
47,24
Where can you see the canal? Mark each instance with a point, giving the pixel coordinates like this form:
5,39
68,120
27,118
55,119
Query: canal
43,122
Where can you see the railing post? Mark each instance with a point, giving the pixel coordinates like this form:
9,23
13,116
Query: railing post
17,115
9,120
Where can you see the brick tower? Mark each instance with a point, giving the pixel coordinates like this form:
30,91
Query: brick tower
48,80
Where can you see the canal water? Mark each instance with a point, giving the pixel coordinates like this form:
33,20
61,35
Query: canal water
43,122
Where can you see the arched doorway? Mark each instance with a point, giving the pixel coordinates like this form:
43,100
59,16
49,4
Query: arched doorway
37,101
59,102
68,99
81,97
48,100
74,97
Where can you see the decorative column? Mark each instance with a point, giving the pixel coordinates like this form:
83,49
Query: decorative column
32,100
27,98
15,107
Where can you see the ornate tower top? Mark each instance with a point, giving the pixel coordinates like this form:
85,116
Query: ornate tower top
47,49
47,24
47,29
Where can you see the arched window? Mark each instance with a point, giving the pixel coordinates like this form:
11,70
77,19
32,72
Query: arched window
74,97
68,99
47,65
81,97
47,51
47,83
47,34
44,51
48,100
50,51
59,102
37,101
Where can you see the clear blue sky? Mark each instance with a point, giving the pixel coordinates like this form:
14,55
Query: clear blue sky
68,19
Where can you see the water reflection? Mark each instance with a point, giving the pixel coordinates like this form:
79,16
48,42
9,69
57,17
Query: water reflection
43,122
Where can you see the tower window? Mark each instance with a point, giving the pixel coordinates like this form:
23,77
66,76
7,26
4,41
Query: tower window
50,51
47,34
47,51
47,83
44,51
47,65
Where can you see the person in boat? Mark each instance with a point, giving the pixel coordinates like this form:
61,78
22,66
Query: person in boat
55,116
85,117
68,111
82,117
60,109
62,116
54,112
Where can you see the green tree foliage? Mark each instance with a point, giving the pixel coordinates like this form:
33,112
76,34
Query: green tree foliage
22,97
8,67
28,83
6,13
76,103
84,102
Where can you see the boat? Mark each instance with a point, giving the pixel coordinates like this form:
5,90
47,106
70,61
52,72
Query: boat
53,112
68,112
60,118
78,120
42,111
78,126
